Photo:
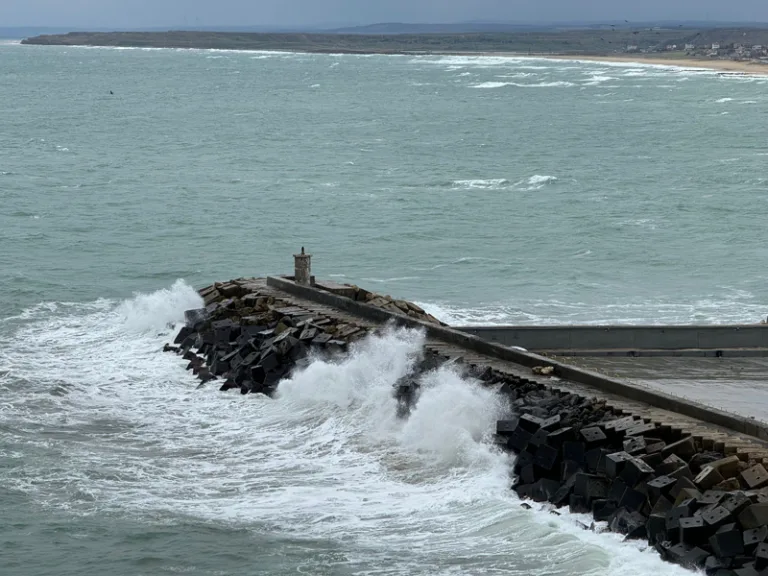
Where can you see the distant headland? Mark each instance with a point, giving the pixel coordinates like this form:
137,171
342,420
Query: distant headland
742,49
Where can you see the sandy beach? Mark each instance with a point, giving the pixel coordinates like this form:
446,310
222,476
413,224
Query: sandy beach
719,65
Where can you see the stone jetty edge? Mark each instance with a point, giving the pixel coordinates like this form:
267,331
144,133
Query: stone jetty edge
698,507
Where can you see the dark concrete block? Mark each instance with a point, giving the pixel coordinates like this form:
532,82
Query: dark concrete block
506,427
523,491
653,460
530,423
558,437
635,471
754,536
677,552
183,334
577,505
713,565
547,457
727,541
755,477
761,556
684,448
662,506
684,510
519,440
614,463
747,570
544,489
523,459
641,430
622,423
593,458
655,448
628,522
562,496
754,516
660,486
707,478
712,497
693,531
258,374
670,464
593,436
569,468
228,385
633,499
695,558
680,485
574,451
602,510
321,339
717,517
616,491
270,362
528,474
551,424
590,487
539,438
219,367
635,446
298,352
656,528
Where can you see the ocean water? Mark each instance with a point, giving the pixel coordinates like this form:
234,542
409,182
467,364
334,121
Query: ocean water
488,189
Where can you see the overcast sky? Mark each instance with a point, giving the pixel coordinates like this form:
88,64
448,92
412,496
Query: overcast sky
147,13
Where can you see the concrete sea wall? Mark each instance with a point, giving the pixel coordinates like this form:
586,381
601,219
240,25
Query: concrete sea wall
586,340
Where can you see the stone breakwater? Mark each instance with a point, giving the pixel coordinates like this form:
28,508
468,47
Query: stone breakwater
252,340
698,506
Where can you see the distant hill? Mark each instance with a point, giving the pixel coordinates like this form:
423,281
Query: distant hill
460,28
574,41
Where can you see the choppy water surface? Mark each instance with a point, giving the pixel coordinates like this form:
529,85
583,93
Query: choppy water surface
489,189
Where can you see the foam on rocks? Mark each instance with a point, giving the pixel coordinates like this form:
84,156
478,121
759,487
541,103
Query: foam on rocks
701,509
250,341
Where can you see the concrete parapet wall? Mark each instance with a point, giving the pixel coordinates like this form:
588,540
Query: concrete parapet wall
592,338
474,343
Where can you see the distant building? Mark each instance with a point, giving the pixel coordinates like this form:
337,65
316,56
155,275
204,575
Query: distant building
690,47
632,49
715,46
671,47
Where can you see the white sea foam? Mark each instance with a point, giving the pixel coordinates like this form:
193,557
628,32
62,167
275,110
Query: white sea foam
723,100
557,84
490,184
491,85
327,459
536,182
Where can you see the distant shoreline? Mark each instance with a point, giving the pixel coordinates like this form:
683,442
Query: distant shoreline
552,46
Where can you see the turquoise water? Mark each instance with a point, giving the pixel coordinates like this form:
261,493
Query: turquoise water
488,189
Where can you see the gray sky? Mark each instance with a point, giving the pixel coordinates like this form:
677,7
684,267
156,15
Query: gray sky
146,13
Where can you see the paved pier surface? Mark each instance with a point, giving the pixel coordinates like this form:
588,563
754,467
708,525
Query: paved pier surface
738,385
711,435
